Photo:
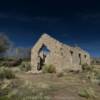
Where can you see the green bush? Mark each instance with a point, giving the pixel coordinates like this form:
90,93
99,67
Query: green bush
83,93
1,64
86,67
6,73
4,98
97,76
25,66
2,59
60,74
49,69
87,93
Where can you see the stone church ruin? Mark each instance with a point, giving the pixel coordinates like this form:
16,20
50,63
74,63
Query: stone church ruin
50,51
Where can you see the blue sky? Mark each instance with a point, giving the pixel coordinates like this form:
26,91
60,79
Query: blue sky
71,22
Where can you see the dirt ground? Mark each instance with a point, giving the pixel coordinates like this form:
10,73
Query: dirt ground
66,87
46,86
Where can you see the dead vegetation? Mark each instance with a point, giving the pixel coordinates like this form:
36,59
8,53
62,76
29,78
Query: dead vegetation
23,85
6,73
49,69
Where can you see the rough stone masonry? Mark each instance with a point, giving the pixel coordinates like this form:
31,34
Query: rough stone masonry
50,51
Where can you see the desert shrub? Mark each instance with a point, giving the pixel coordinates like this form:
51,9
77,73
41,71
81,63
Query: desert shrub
29,91
97,76
83,93
2,59
49,69
86,67
12,63
4,98
25,66
1,64
87,93
60,74
6,73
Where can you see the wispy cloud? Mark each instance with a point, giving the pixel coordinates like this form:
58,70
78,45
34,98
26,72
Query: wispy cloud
93,18
47,19
15,17
3,15
24,18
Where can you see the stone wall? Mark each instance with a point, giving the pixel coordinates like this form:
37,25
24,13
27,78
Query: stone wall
61,56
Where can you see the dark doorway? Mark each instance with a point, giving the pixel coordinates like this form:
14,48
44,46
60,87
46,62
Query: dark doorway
42,54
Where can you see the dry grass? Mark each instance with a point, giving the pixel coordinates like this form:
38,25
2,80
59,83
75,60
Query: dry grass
49,69
29,86
6,73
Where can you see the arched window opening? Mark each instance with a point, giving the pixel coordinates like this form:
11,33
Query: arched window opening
71,52
85,56
79,58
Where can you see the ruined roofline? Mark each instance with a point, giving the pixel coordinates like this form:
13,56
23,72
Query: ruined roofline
80,49
45,35
50,37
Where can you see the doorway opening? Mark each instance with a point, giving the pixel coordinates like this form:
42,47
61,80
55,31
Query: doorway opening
42,54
